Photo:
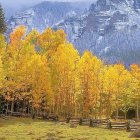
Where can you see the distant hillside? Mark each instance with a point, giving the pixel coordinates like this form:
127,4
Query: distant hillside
110,29
45,14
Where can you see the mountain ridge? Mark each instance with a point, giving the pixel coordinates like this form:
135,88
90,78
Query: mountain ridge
109,28
43,15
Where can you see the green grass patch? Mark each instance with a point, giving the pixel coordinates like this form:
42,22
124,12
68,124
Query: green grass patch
28,129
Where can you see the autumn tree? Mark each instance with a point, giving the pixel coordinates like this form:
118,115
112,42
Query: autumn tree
135,72
43,74
50,40
63,75
89,68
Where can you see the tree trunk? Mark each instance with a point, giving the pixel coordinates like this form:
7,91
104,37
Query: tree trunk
125,115
12,106
28,108
117,113
137,110
7,108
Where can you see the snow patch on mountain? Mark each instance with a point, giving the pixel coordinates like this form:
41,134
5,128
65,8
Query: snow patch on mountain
44,15
110,29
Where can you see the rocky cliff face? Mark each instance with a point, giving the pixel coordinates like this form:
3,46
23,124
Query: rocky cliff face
44,15
110,29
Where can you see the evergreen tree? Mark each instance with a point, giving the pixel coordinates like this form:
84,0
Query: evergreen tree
2,21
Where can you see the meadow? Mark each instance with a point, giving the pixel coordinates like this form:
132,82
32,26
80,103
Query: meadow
28,129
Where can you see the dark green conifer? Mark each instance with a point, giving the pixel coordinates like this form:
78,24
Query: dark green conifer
2,21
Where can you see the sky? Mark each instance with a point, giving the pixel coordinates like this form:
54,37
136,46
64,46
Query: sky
9,2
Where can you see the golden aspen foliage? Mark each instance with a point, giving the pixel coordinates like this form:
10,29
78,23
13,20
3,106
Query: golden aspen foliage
42,73
63,64
50,40
16,36
31,38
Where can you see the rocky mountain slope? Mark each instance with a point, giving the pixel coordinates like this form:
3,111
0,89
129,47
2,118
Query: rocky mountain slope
44,15
110,29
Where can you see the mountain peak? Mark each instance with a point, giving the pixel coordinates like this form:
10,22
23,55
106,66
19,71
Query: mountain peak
43,15
104,5
110,28
136,4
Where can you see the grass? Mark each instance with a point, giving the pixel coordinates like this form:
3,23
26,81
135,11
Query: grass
27,129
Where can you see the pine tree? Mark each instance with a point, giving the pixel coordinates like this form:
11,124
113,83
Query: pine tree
2,21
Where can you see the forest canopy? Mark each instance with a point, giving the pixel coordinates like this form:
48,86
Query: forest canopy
43,72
